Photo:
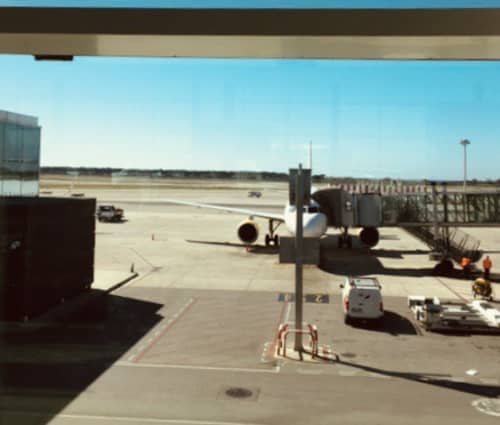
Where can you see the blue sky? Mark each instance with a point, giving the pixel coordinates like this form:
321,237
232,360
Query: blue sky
365,118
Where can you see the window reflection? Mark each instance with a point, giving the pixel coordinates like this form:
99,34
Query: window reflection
19,154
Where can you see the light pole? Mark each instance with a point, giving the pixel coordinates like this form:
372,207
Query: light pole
464,143
299,234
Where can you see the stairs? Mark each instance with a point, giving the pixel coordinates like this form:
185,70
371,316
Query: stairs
451,242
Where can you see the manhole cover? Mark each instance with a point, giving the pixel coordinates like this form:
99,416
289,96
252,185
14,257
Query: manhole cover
348,355
489,406
237,392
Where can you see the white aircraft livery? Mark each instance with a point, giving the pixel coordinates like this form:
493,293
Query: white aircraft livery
314,222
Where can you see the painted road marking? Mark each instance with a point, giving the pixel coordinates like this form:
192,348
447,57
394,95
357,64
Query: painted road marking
269,353
289,297
377,375
275,369
457,294
348,372
264,352
125,419
489,381
287,314
489,406
162,330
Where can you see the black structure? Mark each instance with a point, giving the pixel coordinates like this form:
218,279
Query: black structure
46,253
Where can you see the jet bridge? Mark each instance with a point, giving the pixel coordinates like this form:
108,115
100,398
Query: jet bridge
435,217
447,209
344,210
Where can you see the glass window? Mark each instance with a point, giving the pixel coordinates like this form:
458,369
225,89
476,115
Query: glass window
189,160
31,145
13,149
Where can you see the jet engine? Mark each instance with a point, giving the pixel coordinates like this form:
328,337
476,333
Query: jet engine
369,236
248,231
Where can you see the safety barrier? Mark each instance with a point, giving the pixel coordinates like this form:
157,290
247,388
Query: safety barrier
284,330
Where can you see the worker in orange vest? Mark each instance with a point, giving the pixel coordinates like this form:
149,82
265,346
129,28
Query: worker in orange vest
465,263
487,267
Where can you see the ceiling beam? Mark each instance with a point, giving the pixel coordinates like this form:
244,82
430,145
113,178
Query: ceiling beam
421,34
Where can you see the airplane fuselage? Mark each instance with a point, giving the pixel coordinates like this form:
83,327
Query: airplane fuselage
314,223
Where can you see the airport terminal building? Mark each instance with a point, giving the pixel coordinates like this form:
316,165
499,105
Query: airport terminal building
19,155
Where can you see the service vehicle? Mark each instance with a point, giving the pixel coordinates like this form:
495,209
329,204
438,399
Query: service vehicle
362,300
109,213
254,194
482,288
438,315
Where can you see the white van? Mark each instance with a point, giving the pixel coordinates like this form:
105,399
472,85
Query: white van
362,299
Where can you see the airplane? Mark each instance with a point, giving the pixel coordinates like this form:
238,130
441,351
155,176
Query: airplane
327,207
314,221
317,217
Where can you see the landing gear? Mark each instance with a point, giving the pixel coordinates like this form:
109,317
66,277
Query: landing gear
271,238
345,239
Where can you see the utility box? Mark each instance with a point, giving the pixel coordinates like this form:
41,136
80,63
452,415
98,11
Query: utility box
310,254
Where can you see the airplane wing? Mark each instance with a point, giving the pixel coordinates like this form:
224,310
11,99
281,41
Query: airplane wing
242,211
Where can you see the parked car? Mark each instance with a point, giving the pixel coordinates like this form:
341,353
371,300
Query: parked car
109,213
362,299
254,194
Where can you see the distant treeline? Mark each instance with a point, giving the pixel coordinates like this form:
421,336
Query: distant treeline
186,174
159,173
234,175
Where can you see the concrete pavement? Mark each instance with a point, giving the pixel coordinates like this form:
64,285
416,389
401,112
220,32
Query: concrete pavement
200,318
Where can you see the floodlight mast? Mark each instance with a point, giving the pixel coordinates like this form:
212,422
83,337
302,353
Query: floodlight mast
465,143
299,205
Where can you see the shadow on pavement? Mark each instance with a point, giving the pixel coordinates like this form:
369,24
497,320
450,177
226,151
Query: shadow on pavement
438,380
397,253
364,263
430,379
255,249
59,361
393,324
360,260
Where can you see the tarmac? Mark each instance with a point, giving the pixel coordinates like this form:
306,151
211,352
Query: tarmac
192,338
